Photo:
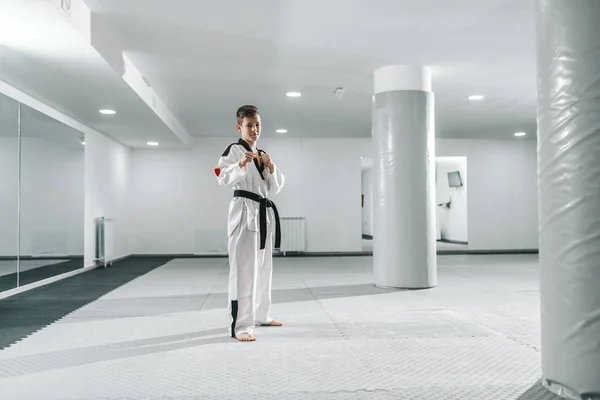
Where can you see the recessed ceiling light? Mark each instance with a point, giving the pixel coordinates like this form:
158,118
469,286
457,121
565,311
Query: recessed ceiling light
281,131
108,112
83,143
476,97
152,143
520,134
293,94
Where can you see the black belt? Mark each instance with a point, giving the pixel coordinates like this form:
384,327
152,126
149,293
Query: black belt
264,203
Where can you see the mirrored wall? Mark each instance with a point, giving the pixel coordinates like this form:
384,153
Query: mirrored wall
41,196
9,198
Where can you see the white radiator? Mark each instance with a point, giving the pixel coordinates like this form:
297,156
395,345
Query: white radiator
293,234
104,242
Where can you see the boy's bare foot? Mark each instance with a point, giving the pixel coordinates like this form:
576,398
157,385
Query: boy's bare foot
275,323
245,337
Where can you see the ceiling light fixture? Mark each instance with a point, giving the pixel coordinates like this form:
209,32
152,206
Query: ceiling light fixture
520,134
281,131
108,112
293,94
83,143
152,143
476,97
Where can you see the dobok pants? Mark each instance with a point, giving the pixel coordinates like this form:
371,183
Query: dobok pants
250,276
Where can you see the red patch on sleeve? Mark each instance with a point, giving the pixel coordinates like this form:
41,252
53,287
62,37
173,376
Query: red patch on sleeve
217,171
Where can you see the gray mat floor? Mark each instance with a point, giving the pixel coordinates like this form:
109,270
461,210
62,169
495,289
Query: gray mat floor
164,336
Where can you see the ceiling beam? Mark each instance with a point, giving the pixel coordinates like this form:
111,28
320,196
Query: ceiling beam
100,38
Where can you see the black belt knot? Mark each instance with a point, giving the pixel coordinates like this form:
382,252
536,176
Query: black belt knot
264,203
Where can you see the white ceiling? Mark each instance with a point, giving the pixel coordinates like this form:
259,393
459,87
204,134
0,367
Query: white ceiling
206,58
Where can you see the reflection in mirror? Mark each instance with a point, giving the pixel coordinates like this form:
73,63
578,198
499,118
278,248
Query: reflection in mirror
9,205
451,203
52,197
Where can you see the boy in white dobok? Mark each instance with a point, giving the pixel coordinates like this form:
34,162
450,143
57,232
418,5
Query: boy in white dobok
253,226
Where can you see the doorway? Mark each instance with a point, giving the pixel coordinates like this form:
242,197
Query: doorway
451,203
450,199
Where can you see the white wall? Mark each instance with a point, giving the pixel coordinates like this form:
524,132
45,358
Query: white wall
367,211
502,195
107,180
452,221
180,208
52,196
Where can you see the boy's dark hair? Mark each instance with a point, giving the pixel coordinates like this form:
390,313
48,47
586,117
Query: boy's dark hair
246,111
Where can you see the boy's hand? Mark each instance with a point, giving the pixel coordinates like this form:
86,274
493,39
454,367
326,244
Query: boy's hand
266,159
248,157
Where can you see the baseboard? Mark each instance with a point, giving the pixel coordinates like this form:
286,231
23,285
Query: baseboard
121,258
326,254
275,255
342,254
488,252
453,241
181,255
439,252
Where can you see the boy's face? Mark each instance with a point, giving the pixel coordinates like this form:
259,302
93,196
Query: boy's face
250,129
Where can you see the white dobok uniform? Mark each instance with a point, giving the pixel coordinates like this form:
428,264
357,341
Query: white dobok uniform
253,227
